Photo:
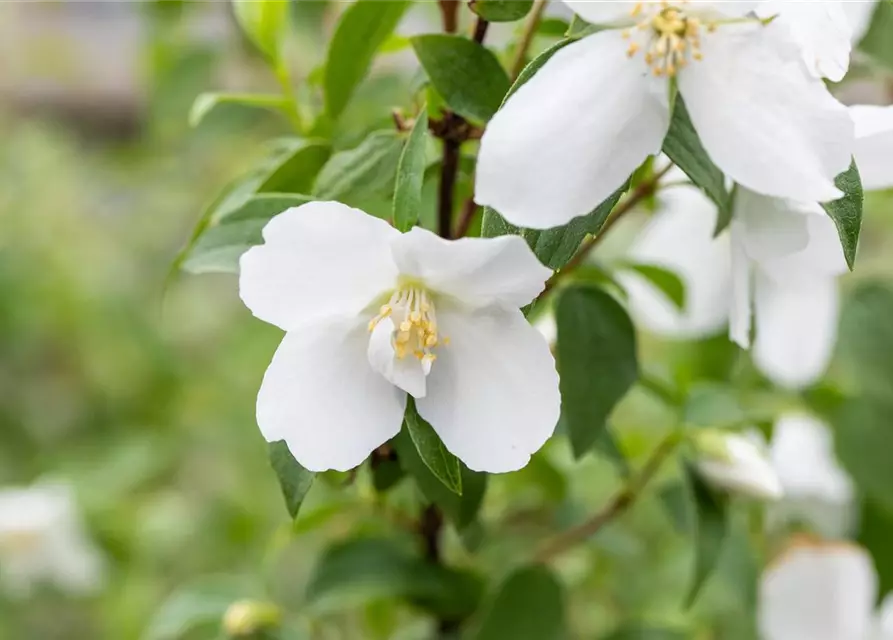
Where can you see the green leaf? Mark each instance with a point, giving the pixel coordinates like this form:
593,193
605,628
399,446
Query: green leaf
596,355
713,405
683,146
294,479
666,281
865,340
711,518
357,571
205,102
875,533
219,247
198,607
363,171
877,42
465,73
443,464
411,175
847,211
363,28
462,510
636,632
864,435
264,22
501,10
528,606
386,473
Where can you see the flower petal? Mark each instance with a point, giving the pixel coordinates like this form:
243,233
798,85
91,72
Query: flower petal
572,134
822,257
818,592
680,238
407,373
859,13
874,146
477,271
320,395
603,12
770,227
796,329
742,469
493,391
820,29
739,309
762,119
319,260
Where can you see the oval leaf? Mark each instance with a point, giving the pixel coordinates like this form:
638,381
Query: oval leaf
205,102
363,171
443,464
294,479
501,10
411,175
847,212
711,519
528,606
264,22
666,281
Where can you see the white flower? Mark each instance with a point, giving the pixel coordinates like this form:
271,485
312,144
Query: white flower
372,314
825,30
42,539
874,145
817,491
736,463
822,591
575,131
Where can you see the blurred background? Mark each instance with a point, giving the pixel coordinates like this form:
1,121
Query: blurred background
135,388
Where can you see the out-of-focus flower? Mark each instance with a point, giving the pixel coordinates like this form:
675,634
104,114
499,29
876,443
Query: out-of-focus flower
575,131
874,145
249,618
372,314
737,464
42,540
822,591
817,491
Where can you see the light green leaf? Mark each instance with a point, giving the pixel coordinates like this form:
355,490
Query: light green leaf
465,73
411,175
666,281
637,632
714,405
683,146
205,102
219,247
264,22
847,211
528,606
443,464
363,171
294,479
711,517
363,28
198,607
877,42
864,435
354,572
501,10
865,340
596,355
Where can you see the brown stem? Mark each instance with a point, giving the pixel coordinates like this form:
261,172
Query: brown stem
449,10
480,30
468,210
448,170
530,26
616,506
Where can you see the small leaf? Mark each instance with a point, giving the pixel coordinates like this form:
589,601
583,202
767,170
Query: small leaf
386,473
597,360
711,517
666,281
636,632
364,27
264,22
411,175
294,479
501,10
864,436
528,606
443,464
363,171
847,212
684,148
205,102
465,73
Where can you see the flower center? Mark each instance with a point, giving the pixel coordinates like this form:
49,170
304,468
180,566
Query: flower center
411,310
20,542
672,37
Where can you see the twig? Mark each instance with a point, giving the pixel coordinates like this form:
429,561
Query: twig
480,30
468,210
530,27
616,506
449,10
448,170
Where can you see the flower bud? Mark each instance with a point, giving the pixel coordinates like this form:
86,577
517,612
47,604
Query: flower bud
737,464
246,618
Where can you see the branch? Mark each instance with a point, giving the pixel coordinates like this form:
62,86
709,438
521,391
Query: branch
615,507
530,27
449,10
468,210
448,170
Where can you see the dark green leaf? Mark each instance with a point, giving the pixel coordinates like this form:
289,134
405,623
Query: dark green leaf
668,282
875,534
264,22
363,171
501,10
847,211
877,42
528,606
294,479
864,434
357,571
363,28
646,633
711,517
579,28
465,73
386,473
684,148
597,360
462,510
205,102
220,246
866,337
411,175
443,464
